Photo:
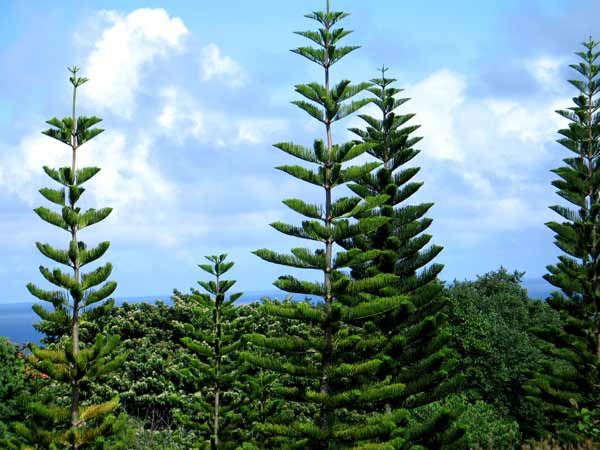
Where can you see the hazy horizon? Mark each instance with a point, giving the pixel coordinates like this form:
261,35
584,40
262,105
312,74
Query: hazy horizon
16,318
535,287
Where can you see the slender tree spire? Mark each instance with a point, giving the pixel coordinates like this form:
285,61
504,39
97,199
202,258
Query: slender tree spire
568,382
72,364
214,339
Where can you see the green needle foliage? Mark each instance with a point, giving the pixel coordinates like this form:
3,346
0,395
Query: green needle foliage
568,381
262,407
72,424
215,340
416,352
335,363
55,324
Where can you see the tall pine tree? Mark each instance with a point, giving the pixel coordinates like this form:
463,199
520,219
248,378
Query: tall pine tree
335,364
73,425
415,353
569,380
215,341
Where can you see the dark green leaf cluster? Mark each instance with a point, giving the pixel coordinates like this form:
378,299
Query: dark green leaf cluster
64,131
399,238
486,426
326,38
488,326
14,390
149,382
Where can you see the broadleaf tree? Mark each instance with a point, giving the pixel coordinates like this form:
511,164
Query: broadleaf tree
335,364
567,383
416,352
73,424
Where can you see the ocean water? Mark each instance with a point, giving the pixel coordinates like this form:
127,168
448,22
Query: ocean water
17,319
16,322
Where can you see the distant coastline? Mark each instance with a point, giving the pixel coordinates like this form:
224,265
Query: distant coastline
17,318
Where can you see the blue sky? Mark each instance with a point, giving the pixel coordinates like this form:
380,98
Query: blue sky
194,94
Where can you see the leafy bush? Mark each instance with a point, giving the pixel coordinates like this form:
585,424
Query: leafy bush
486,426
149,383
12,386
489,321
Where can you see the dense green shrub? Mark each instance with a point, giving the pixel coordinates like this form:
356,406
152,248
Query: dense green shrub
149,383
13,387
488,322
484,424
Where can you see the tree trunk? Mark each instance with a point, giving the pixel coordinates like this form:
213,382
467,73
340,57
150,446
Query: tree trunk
328,329
75,332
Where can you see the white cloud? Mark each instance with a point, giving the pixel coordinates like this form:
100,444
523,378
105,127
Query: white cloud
490,145
437,101
528,120
145,204
23,164
126,47
127,179
131,179
486,135
546,70
258,131
180,228
181,117
498,213
224,68
490,131
479,182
